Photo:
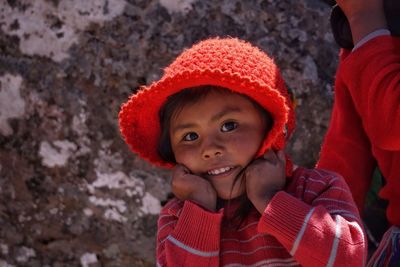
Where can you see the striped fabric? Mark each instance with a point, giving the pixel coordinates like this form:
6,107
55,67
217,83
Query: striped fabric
388,252
314,222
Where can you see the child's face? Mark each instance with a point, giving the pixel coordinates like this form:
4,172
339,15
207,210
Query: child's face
216,138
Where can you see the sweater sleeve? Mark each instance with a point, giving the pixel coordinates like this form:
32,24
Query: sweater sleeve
317,221
188,235
346,148
372,75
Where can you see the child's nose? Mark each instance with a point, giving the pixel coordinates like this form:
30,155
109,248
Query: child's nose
212,148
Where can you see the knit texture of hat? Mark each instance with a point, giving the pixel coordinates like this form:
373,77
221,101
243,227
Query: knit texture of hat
224,62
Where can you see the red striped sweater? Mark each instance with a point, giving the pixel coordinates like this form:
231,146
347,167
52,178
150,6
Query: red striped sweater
314,222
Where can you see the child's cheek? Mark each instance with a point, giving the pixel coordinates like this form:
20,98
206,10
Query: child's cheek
186,156
248,140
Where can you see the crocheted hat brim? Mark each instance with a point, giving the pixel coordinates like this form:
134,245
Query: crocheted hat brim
139,119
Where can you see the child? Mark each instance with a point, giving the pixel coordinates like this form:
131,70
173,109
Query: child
365,125
220,116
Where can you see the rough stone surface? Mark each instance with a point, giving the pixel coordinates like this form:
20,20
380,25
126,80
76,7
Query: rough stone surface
71,192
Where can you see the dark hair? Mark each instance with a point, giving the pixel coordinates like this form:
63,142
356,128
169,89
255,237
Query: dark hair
175,103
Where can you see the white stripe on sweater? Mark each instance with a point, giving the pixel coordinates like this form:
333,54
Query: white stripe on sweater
320,173
313,180
270,263
301,233
344,213
325,199
340,189
311,192
247,226
242,241
165,216
192,250
251,252
358,227
338,233
165,225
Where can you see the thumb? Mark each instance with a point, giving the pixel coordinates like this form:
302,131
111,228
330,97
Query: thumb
281,156
181,169
271,156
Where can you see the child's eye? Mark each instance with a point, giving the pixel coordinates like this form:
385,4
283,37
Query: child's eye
229,126
190,136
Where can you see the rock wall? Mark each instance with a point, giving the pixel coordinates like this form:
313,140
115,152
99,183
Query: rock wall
71,192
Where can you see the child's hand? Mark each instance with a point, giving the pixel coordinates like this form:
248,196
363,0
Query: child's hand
264,177
187,186
364,16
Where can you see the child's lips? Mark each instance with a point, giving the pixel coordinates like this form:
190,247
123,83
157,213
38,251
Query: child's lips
220,171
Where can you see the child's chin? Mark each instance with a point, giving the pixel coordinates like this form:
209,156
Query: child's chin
230,195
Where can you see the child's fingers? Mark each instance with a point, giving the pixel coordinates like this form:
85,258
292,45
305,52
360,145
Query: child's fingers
181,183
275,158
179,170
270,156
281,156
184,183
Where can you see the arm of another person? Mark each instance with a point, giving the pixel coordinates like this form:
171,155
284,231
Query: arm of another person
346,148
372,73
188,235
317,221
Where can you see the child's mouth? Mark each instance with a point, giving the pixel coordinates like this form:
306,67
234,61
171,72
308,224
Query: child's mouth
220,171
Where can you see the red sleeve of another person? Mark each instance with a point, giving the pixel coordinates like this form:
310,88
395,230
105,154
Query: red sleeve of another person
346,148
372,76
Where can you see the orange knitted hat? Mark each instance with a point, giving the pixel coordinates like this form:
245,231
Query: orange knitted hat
229,63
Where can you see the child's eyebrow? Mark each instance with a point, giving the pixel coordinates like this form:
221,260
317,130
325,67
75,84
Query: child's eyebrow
219,115
225,111
182,127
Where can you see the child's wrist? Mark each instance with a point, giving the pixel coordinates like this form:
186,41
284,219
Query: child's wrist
261,203
207,205
210,207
